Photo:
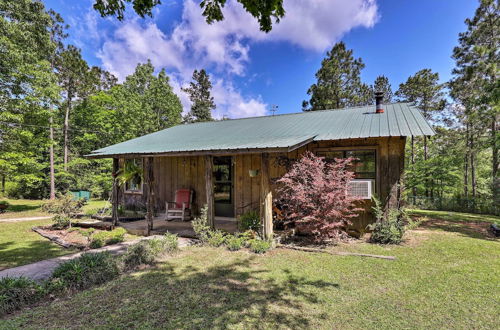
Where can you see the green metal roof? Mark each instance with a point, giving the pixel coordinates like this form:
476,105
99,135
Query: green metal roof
279,133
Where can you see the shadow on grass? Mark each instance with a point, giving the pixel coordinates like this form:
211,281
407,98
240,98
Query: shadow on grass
22,207
236,294
28,252
479,230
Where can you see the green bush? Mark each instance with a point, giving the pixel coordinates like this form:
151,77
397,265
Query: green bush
138,254
87,270
64,205
18,292
249,221
259,246
61,221
201,227
6,203
107,237
216,238
390,227
234,243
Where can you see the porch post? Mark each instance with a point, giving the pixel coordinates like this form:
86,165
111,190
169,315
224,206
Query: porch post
266,198
114,194
209,187
149,181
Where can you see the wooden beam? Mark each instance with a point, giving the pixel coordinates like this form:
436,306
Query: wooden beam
149,181
114,194
266,198
209,182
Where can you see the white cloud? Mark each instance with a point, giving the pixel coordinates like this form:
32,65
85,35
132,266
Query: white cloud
223,48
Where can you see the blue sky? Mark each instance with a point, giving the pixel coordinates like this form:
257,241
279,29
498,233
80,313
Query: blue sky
251,70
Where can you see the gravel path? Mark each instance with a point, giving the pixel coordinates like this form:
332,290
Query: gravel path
25,219
43,269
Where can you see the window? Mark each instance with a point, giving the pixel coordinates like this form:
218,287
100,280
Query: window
133,170
364,165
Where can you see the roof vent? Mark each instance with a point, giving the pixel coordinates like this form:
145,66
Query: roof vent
379,98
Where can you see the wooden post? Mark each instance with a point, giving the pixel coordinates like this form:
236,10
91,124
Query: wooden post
114,194
209,182
266,198
149,181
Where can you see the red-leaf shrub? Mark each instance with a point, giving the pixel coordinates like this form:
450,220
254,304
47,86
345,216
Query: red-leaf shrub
314,196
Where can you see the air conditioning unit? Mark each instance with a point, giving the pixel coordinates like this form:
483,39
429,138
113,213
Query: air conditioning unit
362,189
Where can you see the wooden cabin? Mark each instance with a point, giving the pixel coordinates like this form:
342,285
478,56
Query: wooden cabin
232,165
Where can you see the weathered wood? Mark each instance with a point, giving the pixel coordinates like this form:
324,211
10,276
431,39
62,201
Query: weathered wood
338,253
114,196
149,181
266,204
209,187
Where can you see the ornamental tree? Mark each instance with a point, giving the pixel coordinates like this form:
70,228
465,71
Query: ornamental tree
314,196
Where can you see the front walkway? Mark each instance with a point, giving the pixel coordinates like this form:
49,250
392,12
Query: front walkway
42,270
25,219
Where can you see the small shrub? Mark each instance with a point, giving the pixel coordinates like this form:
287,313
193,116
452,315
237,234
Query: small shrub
249,221
391,227
64,204
138,254
4,204
171,242
234,243
216,238
259,246
107,237
18,292
87,270
61,221
201,227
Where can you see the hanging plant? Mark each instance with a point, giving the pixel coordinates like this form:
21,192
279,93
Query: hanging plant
129,172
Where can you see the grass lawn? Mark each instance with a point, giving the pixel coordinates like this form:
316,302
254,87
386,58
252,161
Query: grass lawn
19,245
440,279
24,208
455,216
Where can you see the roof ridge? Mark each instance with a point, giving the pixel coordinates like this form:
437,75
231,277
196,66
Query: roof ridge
291,113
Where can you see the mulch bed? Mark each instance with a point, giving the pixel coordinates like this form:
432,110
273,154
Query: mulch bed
63,237
464,227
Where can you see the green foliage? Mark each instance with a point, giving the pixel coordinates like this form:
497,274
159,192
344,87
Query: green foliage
234,243
216,238
145,252
263,11
61,221
103,238
259,246
200,225
382,85
4,204
199,93
87,270
338,82
390,226
64,205
249,221
18,292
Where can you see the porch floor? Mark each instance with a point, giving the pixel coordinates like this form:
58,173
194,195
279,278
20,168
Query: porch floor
181,228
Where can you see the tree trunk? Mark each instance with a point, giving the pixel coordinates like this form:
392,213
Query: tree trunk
494,153
66,131
209,187
114,196
51,157
3,183
425,171
150,198
466,163
473,166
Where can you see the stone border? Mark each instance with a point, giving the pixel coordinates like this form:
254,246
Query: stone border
56,239
120,219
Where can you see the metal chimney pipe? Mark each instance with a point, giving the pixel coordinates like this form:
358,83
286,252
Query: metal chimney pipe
379,99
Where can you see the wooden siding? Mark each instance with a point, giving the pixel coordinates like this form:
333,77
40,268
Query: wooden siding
172,173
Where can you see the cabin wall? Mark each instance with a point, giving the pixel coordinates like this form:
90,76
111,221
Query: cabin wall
173,173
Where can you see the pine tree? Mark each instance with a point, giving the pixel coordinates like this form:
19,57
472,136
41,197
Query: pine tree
423,90
338,82
382,85
476,80
199,92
